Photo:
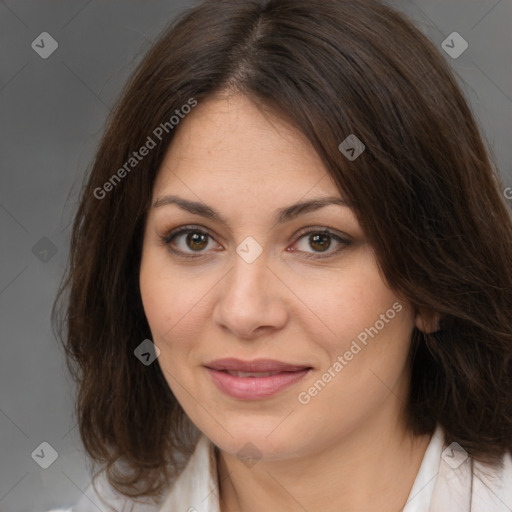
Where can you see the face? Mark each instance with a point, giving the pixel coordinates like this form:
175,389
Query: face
299,296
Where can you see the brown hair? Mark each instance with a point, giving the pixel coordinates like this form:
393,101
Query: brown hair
424,191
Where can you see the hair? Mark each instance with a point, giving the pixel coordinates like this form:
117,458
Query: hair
425,191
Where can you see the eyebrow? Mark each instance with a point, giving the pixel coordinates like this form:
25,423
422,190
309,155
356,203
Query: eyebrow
282,215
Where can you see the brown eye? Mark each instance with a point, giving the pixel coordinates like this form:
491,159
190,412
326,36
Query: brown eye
196,240
320,242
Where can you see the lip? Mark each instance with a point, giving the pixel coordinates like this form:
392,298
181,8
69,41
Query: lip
255,388
258,365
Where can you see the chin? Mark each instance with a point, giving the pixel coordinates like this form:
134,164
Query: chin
255,440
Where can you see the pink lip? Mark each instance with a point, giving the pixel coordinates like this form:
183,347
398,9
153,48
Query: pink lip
254,388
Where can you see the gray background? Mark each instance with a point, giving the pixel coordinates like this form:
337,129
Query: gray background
51,117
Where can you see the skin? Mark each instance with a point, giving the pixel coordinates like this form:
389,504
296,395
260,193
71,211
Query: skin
349,441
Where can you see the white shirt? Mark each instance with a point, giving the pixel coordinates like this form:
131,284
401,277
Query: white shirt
447,481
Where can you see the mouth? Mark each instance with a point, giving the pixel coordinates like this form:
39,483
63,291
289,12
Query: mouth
254,380
251,374
257,366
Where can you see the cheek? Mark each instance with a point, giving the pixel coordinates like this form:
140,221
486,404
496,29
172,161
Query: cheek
163,312
156,299
357,303
172,304
159,289
368,335
377,330
159,296
358,379
371,361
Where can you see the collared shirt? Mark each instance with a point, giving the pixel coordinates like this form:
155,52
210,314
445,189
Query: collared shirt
448,481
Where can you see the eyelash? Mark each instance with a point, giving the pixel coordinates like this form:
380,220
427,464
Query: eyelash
167,238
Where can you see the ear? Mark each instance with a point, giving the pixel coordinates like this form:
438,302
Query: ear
427,320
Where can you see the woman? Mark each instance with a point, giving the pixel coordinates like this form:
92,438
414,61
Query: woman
290,274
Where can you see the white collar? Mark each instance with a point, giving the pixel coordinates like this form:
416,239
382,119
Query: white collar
196,489
446,482
420,497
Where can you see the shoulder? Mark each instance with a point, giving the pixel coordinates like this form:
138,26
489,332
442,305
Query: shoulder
197,475
492,485
100,496
463,483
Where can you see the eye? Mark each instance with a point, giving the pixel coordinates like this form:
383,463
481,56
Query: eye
187,240
196,240
321,241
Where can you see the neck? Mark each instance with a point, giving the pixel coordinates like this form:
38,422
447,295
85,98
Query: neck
371,468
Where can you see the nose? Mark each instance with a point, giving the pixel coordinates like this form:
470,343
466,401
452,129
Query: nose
251,300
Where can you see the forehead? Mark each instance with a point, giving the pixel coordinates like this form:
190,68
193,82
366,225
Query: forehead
230,143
